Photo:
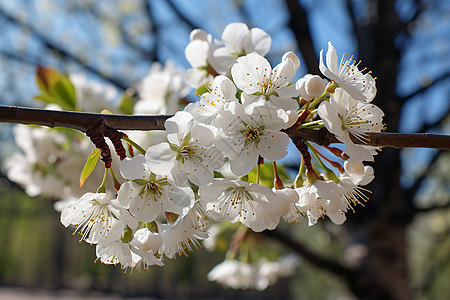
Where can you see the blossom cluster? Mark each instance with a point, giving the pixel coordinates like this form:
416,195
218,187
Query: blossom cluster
196,173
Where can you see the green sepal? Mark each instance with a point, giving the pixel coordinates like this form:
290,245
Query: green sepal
173,147
201,90
140,181
218,175
127,235
152,226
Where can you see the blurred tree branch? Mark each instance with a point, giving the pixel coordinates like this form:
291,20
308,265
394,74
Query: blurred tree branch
61,51
181,16
421,90
298,23
317,260
146,54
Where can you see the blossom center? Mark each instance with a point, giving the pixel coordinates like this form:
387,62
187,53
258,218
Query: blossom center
266,86
187,153
252,133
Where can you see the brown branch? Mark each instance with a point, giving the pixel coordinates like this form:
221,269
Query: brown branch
377,139
85,121
79,120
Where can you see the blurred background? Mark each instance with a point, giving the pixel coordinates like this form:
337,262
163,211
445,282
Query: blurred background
395,247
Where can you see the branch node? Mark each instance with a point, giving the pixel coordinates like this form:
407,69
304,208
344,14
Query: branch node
97,134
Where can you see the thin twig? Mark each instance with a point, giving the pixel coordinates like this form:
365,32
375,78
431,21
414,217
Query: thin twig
85,121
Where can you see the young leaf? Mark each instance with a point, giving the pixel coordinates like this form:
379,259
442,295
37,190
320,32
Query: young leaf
46,77
126,104
63,90
89,166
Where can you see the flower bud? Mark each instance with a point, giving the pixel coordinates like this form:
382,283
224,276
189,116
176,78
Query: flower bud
198,34
315,86
354,167
146,240
292,56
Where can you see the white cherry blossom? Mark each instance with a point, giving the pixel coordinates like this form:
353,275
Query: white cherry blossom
125,254
92,96
254,205
199,53
161,90
238,41
95,218
361,86
254,75
184,234
345,118
147,195
234,274
317,200
212,102
269,272
310,86
250,132
188,154
146,240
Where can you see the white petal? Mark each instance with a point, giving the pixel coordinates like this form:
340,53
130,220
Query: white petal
133,168
235,37
196,53
196,78
160,158
244,161
260,41
273,145
332,59
178,127
128,190
202,135
179,198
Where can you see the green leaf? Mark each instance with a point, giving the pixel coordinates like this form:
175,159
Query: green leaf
46,77
126,104
89,166
65,91
46,98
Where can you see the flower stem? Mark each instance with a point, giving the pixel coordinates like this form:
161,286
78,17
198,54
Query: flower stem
135,145
311,173
313,124
116,182
330,89
328,172
102,187
258,170
277,182
299,179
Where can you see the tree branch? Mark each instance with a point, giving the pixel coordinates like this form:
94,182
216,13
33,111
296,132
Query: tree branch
79,120
182,17
63,52
318,261
421,90
85,121
298,23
